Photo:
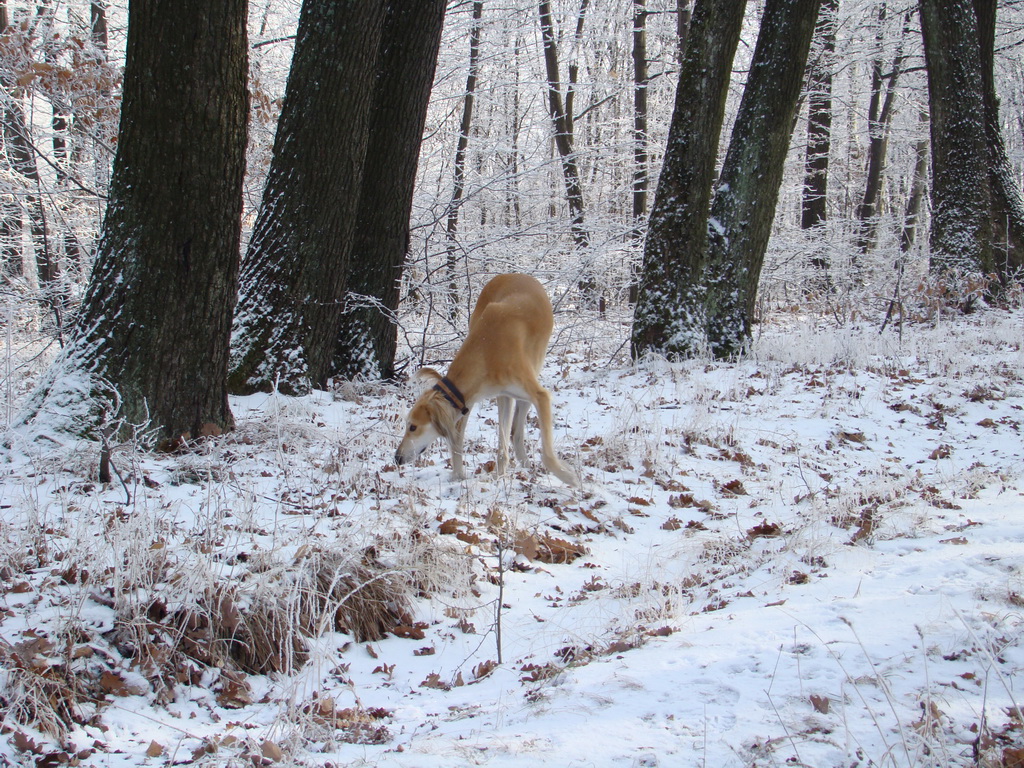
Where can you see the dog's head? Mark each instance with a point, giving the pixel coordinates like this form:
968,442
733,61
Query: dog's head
431,417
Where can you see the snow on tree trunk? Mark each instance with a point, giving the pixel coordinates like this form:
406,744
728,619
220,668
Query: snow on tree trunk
367,335
814,208
668,317
748,187
154,325
293,279
961,236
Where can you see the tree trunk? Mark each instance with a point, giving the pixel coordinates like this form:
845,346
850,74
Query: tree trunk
814,208
961,235
156,317
98,23
748,187
668,318
640,84
459,172
367,336
683,17
563,123
880,113
1007,202
912,214
293,278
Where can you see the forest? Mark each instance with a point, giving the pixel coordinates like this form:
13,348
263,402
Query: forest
783,243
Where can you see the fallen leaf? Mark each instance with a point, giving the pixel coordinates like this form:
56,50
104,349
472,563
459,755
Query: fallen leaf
271,752
734,488
765,530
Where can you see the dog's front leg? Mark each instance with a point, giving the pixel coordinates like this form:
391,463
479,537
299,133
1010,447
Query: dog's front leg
457,439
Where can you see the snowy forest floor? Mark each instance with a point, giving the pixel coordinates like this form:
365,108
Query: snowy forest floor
813,556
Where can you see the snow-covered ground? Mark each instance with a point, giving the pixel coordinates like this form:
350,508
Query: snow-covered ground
810,557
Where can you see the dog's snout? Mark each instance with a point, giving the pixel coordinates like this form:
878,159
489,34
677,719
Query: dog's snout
399,458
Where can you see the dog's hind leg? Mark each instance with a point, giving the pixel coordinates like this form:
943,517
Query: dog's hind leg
504,429
519,431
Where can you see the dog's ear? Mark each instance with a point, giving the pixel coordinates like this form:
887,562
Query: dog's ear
427,376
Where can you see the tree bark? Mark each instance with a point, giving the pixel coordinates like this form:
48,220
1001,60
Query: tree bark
367,335
293,278
640,84
880,113
912,213
459,165
748,187
814,206
668,317
1007,201
562,118
961,234
155,321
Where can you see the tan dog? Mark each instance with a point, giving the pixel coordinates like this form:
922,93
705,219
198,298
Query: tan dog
501,357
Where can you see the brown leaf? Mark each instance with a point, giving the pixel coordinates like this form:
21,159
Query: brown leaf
155,749
734,488
410,632
682,500
942,452
233,690
765,530
271,752
434,681
820,703
526,544
552,550
113,684
24,743
483,669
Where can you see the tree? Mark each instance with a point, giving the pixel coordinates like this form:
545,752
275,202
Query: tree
560,106
814,208
880,114
154,324
459,164
367,335
293,278
1007,201
641,81
667,318
748,186
961,235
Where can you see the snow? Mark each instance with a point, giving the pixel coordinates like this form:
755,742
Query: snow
812,556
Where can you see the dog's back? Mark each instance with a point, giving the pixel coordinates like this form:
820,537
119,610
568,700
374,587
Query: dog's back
512,319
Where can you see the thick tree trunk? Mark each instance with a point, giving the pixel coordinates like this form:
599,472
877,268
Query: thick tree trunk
156,317
748,187
814,208
293,278
367,336
668,317
1007,202
961,234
